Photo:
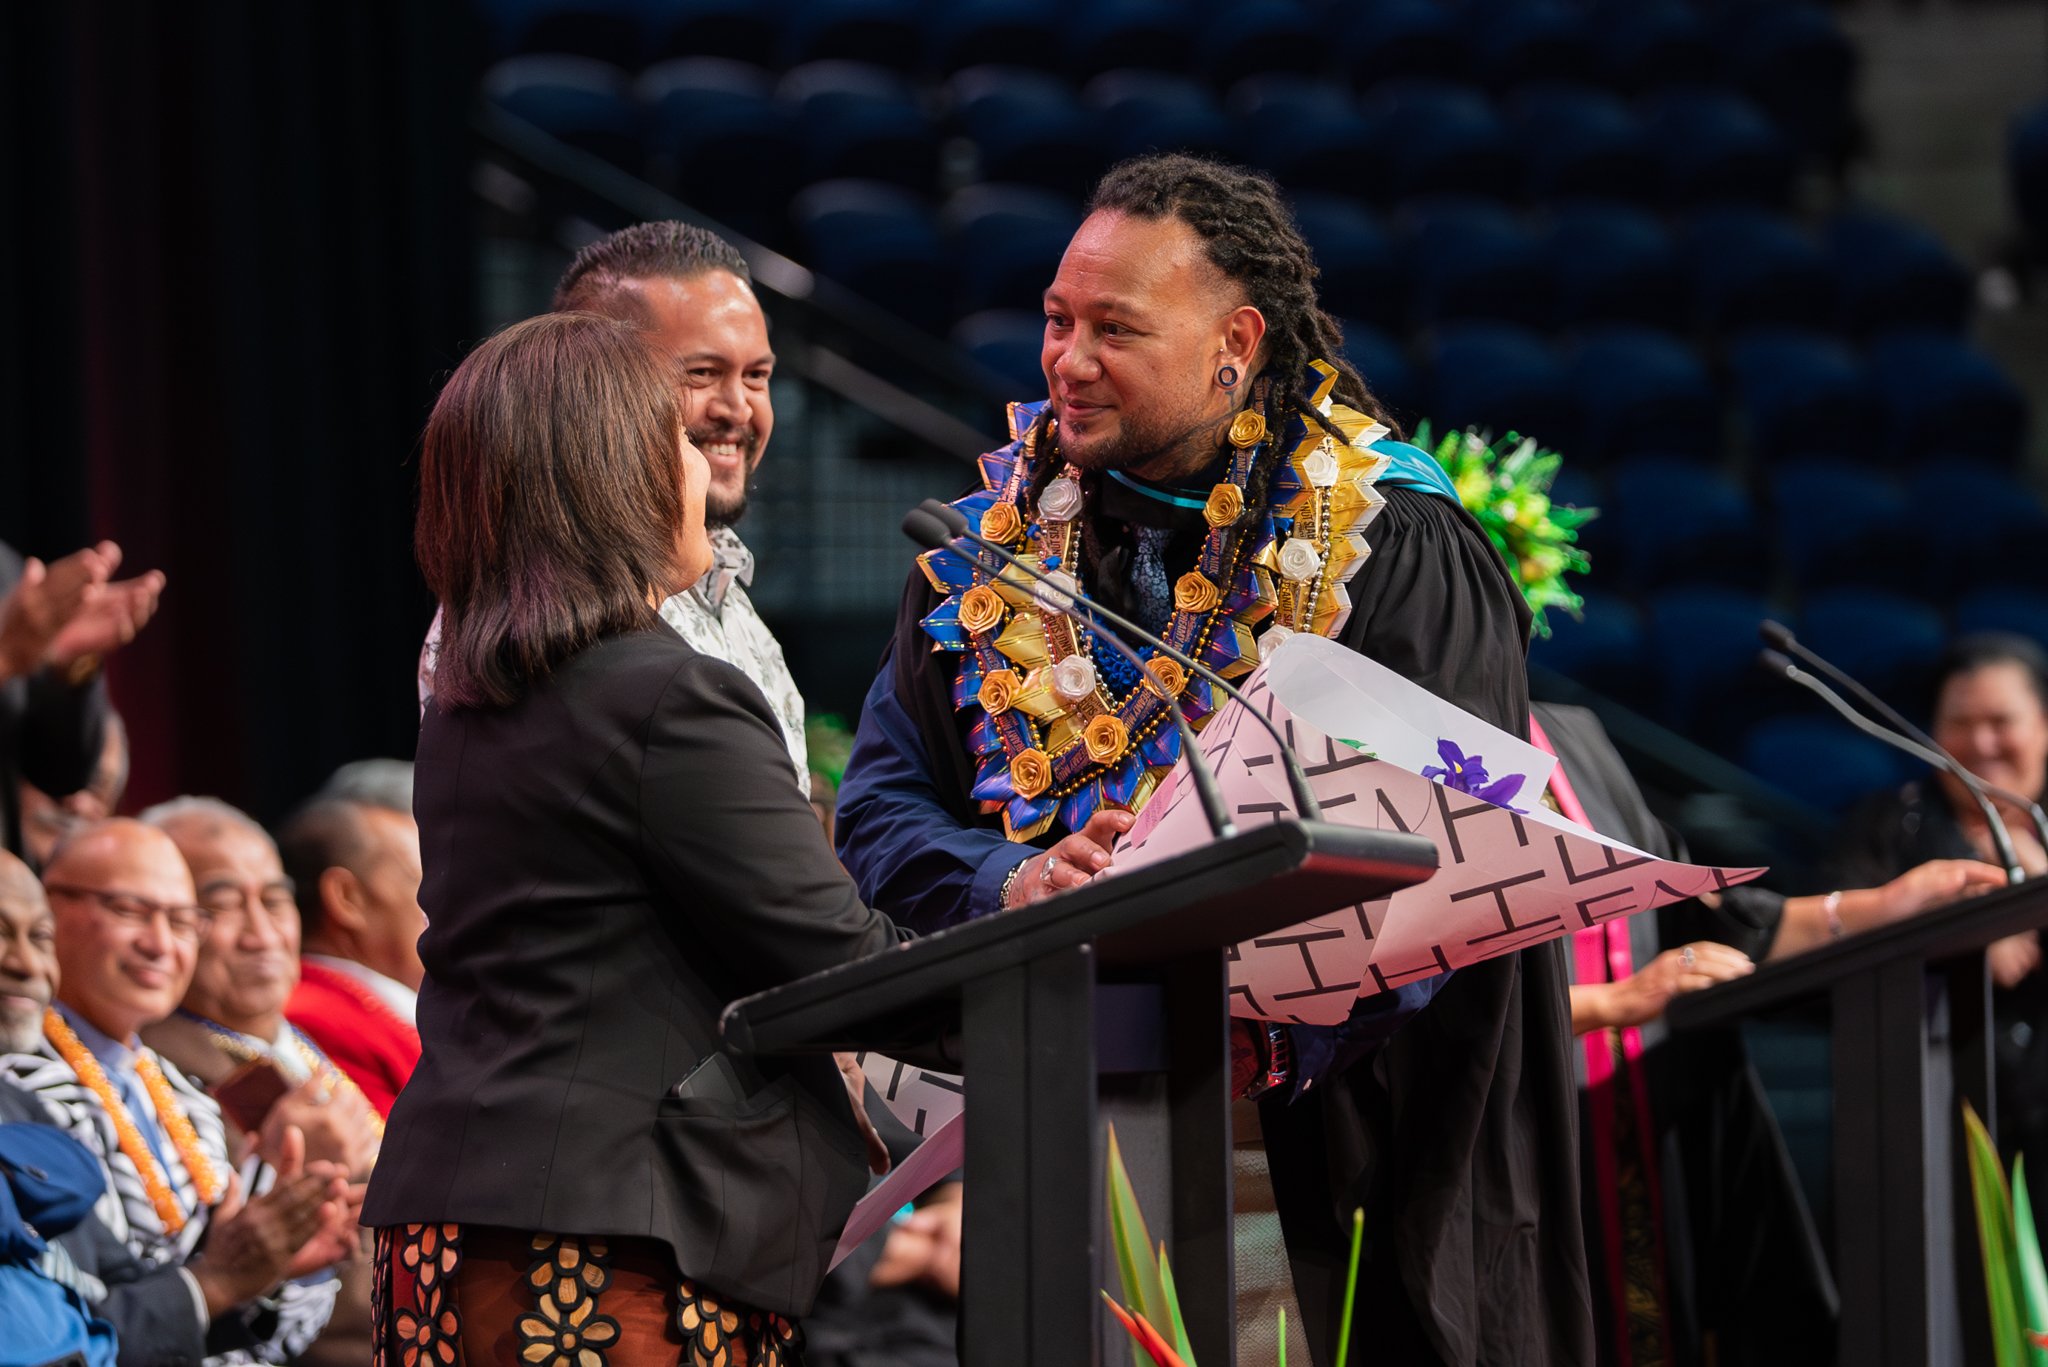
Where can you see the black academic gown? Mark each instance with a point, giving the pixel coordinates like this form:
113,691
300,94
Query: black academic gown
1458,1137
1747,1281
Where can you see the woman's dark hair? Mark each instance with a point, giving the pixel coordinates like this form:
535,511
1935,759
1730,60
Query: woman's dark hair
550,500
1981,650
1249,234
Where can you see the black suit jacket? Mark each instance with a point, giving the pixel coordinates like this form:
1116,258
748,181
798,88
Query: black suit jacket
608,862
157,1322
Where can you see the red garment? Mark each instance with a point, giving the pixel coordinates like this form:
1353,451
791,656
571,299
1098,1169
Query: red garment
369,1041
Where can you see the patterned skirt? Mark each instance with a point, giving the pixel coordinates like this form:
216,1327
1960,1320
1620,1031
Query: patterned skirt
449,1295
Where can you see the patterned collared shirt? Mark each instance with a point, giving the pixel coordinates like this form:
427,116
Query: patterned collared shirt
718,619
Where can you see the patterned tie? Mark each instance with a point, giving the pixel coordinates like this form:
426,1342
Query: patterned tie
1148,578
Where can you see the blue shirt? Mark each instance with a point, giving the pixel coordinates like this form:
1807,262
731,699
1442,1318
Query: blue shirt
117,1060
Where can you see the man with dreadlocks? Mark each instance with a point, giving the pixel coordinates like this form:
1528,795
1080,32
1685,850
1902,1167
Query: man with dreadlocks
1207,463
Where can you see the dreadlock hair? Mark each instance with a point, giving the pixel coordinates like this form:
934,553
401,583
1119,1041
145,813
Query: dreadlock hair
662,250
1249,234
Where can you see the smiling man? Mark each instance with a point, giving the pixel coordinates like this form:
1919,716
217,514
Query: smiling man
692,290
1205,462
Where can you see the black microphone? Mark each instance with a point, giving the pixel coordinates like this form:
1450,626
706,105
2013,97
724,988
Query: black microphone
1779,635
929,530
1297,782
1778,663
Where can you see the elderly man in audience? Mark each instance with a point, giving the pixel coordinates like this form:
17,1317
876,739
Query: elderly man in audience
230,1033
357,867
127,928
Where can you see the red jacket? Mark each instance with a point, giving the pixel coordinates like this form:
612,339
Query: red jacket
365,1038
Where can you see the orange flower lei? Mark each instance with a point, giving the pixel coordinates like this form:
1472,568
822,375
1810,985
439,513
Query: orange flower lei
206,1179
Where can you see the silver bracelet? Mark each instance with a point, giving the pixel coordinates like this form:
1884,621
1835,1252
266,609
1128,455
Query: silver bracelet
1831,907
1009,880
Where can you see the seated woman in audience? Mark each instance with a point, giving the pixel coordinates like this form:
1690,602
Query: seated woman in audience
614,846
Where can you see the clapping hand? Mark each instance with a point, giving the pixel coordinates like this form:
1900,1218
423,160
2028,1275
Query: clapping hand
70,609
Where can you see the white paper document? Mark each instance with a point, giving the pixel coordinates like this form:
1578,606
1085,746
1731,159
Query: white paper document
929,1164
1383,754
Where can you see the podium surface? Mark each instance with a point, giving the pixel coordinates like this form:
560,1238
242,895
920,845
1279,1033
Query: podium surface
1124,975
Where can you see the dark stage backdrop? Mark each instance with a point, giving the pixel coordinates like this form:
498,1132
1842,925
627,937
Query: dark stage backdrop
236,264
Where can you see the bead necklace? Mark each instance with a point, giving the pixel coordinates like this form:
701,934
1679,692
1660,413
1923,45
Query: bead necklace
246,1048
170,1112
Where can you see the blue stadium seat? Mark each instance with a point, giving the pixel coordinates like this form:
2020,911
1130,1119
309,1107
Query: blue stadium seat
2026,165
976,32
1803,394
2024,611
1436,138
1647,44
1752,268
1983,527
1388,372
740,30
1472,258
1642,390
1147,35
1614,263
1703,649
1604,651
879,241
1887,640
1361,276
1006,242
1676,521
1027,127
1716,147
1891,273
1795,62
885,32
1500,378
1399,40
614,31
1007,342
860,121
1517,41
584,102
1575,141
1305,131
1822,761
1152,111
1944,398
1256,36
1837,524
721,140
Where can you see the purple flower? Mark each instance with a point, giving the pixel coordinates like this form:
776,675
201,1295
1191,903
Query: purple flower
1467,774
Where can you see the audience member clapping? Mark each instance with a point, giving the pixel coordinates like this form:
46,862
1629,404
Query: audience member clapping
127,929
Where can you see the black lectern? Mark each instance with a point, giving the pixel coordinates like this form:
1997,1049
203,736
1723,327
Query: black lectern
1911,1040
1016,1000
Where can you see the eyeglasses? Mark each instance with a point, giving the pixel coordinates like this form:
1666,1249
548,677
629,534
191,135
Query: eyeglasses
187,923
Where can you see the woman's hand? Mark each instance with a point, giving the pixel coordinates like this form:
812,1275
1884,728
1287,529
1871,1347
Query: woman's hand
1642,996
1070,863
857,1092
2014,957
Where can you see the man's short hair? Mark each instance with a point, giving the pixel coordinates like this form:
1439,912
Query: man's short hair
209,808
328,832
663,250
373,782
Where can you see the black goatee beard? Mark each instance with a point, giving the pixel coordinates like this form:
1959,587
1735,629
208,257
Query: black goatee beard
718,512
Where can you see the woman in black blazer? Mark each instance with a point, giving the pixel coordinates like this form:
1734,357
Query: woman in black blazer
614,847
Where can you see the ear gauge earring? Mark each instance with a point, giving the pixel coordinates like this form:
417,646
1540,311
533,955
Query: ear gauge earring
1227,377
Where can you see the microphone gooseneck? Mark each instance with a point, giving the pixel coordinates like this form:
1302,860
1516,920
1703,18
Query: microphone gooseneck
1297,782
1780,636
1778,663
927,529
